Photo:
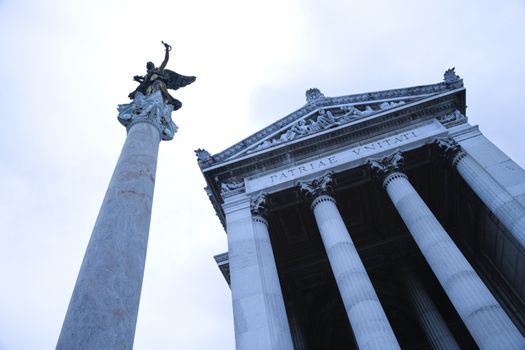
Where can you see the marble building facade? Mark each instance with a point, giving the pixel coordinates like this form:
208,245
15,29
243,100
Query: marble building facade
382,220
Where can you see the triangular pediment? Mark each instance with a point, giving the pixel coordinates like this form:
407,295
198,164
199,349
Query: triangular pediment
322,113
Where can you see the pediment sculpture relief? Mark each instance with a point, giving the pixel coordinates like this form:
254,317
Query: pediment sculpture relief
325,119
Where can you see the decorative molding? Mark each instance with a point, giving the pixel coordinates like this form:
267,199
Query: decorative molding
313,94
322,185
148,109
383,167
258,204
403,93
450,76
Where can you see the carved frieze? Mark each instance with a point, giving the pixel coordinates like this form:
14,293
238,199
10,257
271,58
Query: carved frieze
325,119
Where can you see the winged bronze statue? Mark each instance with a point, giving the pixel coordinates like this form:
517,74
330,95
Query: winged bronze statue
160,78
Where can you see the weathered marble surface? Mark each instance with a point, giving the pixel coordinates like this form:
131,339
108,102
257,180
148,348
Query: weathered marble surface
259,314
102,313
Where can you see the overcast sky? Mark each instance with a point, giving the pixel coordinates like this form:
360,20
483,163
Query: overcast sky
65,65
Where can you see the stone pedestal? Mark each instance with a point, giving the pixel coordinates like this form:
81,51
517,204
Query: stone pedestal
367,318
486,321
102,313
259,313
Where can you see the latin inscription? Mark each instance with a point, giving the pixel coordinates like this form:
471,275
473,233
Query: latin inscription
376,146
301,170
314,166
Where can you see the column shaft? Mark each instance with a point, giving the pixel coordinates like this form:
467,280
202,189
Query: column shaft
369,322
297,332
259,313
102,313
428,315
488,324
509,211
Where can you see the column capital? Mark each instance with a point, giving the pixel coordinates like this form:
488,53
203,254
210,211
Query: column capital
322,185
386,166
451,150
149,109
258,207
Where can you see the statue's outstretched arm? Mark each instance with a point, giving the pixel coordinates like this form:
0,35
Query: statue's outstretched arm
166,56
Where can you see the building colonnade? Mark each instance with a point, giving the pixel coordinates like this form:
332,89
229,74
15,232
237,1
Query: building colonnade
259,311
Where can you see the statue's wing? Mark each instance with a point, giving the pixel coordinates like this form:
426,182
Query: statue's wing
176,80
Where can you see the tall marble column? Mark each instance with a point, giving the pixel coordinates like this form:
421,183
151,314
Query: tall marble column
486,321
259,313
429,318
367,318
102,313
509,211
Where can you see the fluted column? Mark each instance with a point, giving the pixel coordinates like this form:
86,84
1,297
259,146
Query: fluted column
430,320
259,313
486,321
295,325
102,313
367,318
509,211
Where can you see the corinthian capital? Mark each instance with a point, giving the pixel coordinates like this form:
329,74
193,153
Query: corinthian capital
258,204
450,149
323,185
382,167
149,109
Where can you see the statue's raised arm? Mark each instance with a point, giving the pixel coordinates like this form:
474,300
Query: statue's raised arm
166,55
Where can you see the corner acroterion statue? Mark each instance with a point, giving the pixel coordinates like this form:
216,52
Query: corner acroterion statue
102,313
